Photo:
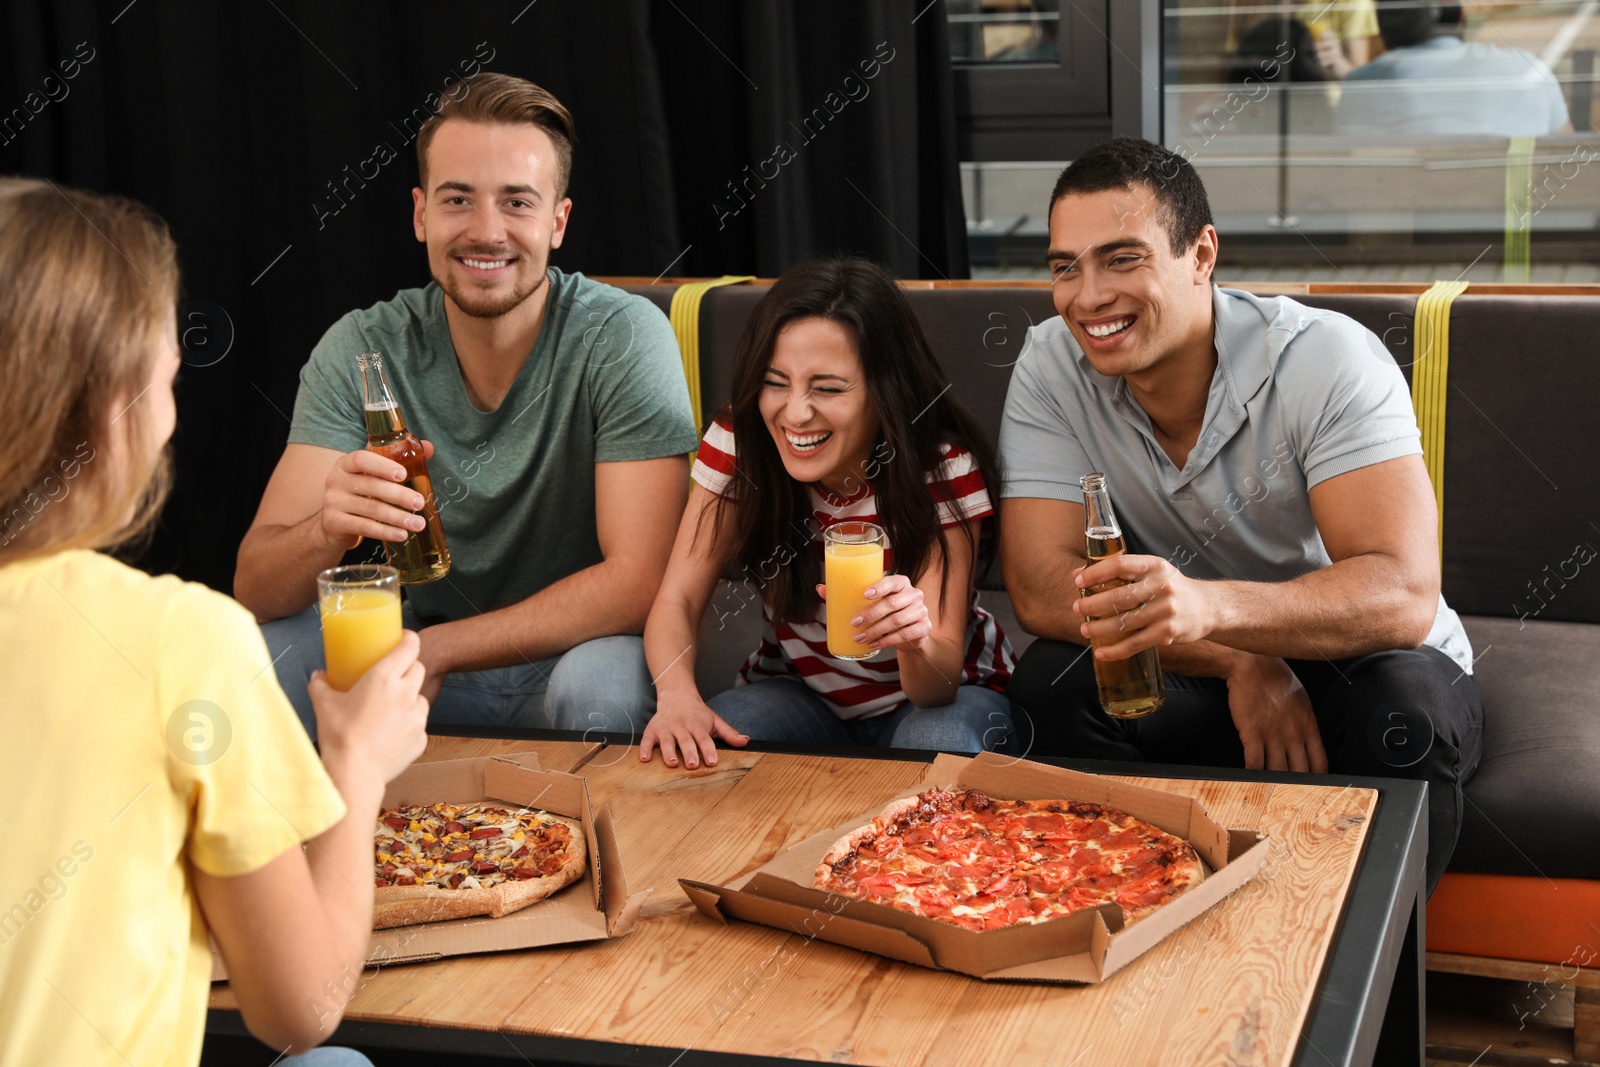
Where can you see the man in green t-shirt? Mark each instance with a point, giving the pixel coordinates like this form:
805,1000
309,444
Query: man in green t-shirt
557,420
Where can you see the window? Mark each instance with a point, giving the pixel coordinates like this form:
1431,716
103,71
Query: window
1392,136
1038,81
1030,76
988,32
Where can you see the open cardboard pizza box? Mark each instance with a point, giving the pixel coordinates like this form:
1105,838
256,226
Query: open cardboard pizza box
1087,946
593,908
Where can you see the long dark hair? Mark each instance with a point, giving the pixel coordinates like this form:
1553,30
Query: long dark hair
770,517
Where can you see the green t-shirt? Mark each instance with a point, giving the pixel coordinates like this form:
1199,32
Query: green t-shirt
515,486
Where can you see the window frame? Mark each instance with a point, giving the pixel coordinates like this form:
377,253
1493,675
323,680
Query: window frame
1102,87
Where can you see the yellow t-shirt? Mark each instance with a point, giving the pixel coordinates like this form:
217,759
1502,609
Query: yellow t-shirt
141,729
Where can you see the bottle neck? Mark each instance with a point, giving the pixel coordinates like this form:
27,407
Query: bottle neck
1097,513
382,411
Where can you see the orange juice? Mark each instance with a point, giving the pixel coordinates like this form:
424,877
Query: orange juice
359,627
849,570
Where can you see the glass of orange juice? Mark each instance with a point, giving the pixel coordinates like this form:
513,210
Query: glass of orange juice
852,556
360,619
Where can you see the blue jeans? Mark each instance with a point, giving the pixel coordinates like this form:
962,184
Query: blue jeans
600,685
785,709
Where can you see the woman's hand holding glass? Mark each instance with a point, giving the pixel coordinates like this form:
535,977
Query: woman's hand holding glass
382,720
896,616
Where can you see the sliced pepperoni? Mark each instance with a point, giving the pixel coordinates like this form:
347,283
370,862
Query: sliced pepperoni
486,831
453,827
991,847
1122,841
395,822
1129,895
483,867
1101,881
1082,898
1016,908
879,885
1139,857
459,856
524,872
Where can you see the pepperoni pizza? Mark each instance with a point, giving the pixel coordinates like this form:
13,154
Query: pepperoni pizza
972,861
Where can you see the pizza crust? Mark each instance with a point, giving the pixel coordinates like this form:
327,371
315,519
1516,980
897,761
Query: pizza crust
405,905
847,844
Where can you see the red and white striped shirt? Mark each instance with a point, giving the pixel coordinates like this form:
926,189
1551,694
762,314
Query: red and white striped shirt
859,689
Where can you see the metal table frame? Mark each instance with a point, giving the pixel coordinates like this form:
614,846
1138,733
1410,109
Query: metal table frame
1369,1005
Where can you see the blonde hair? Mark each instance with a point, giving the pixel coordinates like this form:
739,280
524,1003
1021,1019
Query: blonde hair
88,290
491,99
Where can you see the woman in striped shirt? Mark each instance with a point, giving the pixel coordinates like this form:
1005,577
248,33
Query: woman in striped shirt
839,412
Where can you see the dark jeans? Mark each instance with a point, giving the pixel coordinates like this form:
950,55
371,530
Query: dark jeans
1401,714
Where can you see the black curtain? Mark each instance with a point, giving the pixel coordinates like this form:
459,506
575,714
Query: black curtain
806,128
276,138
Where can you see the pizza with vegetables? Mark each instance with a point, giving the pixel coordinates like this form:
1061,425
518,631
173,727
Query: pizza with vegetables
449,861
972,861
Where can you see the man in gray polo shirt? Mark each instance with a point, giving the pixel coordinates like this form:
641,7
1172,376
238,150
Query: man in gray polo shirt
1265,465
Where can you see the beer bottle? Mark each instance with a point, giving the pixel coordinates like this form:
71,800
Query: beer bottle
1132,687
423,556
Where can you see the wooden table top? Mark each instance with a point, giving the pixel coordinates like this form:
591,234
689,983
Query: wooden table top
1233,986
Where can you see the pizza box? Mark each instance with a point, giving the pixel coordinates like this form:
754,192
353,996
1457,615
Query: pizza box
591,909
1085,947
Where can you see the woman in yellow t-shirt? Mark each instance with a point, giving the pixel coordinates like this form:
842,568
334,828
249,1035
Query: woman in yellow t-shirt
158,784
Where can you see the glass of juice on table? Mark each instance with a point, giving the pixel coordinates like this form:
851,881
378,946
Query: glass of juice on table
852,555
360,608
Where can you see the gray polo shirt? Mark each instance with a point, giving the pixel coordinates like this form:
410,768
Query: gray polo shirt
1299,396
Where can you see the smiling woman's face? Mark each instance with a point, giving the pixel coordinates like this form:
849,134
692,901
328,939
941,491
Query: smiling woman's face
815,404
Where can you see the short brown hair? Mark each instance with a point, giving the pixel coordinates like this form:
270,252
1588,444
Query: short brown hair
503,100
1122,161
90,287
